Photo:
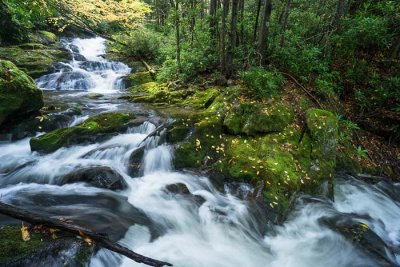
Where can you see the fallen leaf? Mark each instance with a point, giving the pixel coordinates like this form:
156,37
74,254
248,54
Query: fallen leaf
25,233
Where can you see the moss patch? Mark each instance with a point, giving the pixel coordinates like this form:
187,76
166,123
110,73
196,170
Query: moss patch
138,78
18,92
99,124
34,58
254,118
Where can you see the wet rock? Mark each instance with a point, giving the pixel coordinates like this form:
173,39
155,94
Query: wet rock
94,96
18,93
363,237
102,177
254,118
178,188
66,250
135,162
78,57
88,131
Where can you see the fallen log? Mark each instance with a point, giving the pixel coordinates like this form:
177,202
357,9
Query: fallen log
101,239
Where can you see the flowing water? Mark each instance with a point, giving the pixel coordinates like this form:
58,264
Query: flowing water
199,226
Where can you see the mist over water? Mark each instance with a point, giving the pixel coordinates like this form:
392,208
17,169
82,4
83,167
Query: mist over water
192,223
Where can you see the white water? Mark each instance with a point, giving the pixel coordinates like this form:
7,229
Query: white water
206,228
88,69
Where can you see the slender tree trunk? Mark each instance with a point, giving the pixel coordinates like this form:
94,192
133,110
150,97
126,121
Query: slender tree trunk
233,36
264,32
225,11
256,21
285,21
177,34
241,38
192,21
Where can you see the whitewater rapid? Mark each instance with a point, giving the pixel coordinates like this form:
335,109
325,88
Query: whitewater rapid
199,226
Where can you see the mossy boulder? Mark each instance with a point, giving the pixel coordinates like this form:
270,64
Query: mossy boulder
43,37
88,131
323,129
35,59
41,248
189,155
254,118
138,78
19,94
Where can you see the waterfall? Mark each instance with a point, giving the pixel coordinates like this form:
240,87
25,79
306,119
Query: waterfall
180,216
88,69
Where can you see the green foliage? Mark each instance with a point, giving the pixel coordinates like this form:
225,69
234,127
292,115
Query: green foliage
141,43
263,83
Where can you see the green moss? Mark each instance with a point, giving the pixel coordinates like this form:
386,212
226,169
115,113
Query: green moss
13,247
253,118
188,155
33,58
138,78
18,92
99,124
323,128
178,132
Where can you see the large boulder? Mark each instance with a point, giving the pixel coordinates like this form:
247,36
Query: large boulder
87,131
18,93
323,129
34,58
254,118
100,176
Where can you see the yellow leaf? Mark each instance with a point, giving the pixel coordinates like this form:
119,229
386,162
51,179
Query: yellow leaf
25,233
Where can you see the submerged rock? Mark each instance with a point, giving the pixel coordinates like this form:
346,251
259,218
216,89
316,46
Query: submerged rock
102,177
135,162
88,131
18,93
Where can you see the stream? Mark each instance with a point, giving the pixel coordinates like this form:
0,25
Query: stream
204,227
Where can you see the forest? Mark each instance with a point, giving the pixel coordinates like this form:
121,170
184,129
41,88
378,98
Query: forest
200,133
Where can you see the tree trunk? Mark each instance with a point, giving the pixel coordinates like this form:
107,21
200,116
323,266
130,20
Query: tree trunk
241,35
177,34
264,31
213,19
256,21
233,36
225,11
285,21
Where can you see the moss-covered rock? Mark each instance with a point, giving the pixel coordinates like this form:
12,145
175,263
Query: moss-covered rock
18,92
254,118
41,248
323,128
85,132
189,155
43,37
138,78
35,59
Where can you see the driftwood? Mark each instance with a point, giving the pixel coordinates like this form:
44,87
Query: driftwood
158,130
100,239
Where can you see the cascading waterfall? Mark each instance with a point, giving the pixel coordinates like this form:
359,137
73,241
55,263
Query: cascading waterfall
88,69
181,217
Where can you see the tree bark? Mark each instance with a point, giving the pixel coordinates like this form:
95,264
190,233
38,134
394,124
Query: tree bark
175,6
285,21
233,36
225,11
256,21
100,239
264,32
